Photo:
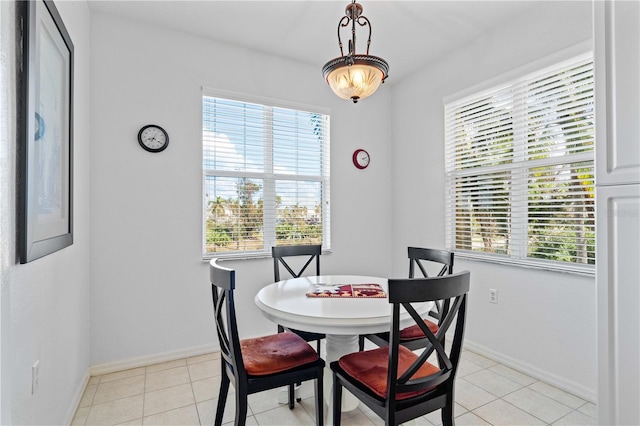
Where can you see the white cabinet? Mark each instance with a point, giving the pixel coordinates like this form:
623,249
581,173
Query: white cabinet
618,278
617,74
617,70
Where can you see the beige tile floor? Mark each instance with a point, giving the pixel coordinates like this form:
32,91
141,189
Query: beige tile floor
185,392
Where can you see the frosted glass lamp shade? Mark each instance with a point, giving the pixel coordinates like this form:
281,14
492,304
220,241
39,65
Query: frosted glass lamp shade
355,77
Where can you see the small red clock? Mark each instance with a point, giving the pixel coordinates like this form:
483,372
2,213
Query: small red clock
361,158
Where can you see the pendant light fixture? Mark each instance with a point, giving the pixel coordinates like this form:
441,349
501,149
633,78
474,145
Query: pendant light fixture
355,76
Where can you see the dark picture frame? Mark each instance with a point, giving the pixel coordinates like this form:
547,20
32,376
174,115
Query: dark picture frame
45,183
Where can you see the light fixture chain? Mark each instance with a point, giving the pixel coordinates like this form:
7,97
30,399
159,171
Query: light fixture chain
352,45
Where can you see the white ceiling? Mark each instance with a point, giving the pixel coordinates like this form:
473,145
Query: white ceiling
408,34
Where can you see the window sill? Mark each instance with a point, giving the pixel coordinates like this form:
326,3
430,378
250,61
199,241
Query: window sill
243,256
576,269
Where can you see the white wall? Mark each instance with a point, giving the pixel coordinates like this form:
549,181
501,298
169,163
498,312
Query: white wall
44,304
150,294
544,322
149,286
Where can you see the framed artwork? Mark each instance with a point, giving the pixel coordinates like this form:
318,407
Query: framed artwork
46,133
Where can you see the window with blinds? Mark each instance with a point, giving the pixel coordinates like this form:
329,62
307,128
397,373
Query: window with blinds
519,163
266,176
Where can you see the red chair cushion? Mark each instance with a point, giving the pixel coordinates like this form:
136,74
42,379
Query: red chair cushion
370,368
414,332
275,353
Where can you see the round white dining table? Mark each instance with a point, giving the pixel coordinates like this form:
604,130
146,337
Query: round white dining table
342,319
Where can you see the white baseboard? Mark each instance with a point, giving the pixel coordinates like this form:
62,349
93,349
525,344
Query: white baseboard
77,397
143,361
535,372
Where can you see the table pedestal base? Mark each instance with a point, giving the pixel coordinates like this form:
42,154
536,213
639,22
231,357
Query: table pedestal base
337,346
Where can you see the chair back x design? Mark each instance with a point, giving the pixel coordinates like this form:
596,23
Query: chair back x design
257,364
279,253
429,262
400,385
418,254
442,258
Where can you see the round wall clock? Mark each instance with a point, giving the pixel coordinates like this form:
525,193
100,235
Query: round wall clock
361,158
153,138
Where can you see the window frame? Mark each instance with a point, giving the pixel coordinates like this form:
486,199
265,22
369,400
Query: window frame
268,176
520,258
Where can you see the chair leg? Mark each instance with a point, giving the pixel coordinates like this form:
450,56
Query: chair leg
222,398
337,400
447,411
292,395
320,399
361,343
447,415
241,407
318,347
390,418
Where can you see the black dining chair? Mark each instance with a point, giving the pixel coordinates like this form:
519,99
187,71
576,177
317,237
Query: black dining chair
295,260
305,255
430,262
257,364
400,385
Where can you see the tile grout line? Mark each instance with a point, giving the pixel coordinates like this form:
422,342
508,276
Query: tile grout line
501,398
531,414
193,393
473,411
554,399
463,378
583,404
569,413
536,391
144,393
93,397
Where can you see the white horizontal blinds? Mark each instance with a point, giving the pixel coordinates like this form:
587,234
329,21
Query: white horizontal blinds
297,142
519,164
233,145
299,216
233,215
481,132
561,212
483,212
560,112
233,135
479,161
560,143
299,167
265,177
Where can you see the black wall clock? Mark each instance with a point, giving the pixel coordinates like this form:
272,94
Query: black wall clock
153,138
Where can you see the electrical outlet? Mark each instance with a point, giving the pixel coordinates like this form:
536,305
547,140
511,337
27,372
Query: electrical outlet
35,377
493,295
